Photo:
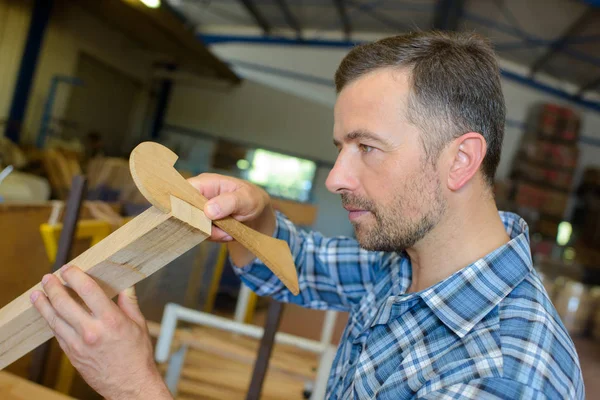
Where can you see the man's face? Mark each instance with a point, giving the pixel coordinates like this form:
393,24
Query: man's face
393,195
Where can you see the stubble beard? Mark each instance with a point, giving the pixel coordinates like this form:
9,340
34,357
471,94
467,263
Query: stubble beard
388,228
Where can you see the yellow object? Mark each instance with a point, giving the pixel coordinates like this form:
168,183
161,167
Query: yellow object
214,287
94,230
250,308
216,278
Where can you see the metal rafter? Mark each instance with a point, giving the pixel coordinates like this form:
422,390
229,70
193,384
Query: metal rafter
256,14
344,18
368,9
577,26
289,17
448,14
593,84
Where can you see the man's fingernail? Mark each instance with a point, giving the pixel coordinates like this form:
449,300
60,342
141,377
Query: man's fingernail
34,296
213,210
45,279
64,268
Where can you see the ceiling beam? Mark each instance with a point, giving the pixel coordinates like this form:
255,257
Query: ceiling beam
576,27
447,14
159,31
344,18
290,18
593,84
368,9
257,16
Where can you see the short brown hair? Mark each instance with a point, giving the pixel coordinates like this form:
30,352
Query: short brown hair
455,86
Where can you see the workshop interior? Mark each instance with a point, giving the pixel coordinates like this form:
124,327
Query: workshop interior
245,88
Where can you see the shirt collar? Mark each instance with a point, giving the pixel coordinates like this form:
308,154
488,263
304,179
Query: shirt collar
463,299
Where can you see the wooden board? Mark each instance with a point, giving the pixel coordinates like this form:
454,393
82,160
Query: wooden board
299,213
213,368
23,259
13,387
128,255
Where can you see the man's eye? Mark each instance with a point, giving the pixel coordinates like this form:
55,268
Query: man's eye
364,148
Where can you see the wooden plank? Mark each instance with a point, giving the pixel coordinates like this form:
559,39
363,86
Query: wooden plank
200,390
128,255
22,255
287,360
159,31
299,213
203,371
13,387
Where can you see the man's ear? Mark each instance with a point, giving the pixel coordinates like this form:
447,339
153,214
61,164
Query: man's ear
468,153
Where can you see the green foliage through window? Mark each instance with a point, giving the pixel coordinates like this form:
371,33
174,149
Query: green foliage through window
281,175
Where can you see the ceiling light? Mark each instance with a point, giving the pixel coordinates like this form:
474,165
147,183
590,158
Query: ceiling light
151,3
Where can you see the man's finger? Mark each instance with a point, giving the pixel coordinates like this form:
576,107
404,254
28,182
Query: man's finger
219,235
211,185
55,322
89,291
128,302
64,305
224,205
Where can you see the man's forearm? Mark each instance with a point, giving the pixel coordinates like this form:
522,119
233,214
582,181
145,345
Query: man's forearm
151,388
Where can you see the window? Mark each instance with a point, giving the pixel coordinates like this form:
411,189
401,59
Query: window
281,175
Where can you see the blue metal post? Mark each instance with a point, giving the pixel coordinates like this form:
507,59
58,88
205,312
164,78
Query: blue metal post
47,114
37,28
164,93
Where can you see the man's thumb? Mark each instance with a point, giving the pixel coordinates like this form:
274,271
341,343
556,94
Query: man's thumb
128,302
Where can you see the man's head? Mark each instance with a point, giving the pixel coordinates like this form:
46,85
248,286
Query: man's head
419,117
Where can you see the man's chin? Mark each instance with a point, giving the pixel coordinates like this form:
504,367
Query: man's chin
362,235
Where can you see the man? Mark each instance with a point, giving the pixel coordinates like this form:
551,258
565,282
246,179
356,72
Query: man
443,299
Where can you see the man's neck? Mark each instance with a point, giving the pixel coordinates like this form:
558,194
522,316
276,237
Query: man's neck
460,239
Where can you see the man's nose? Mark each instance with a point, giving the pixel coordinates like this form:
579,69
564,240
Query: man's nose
342,177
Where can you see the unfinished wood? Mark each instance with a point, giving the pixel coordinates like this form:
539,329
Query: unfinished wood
160,32
205,373
23,259
299,213
13,387
201,391
128,255
152,170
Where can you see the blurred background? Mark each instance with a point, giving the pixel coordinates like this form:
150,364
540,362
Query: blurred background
245,88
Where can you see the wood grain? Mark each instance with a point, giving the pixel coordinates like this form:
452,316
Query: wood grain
13,387
138,249
152,170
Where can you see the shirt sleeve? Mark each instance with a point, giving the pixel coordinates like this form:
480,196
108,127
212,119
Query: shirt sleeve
487,388
333,273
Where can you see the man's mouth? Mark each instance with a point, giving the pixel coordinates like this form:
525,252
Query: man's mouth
355,213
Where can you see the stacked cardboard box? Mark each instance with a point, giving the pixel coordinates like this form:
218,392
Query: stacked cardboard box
587,212
544,169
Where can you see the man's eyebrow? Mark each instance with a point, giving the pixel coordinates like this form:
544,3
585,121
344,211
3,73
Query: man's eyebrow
361,134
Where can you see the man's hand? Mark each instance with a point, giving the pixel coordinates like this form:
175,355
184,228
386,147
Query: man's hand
239,199
108,344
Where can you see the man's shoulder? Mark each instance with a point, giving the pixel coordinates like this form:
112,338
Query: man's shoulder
535,344
528,304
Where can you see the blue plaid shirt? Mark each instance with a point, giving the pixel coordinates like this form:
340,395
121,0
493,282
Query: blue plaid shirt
487,331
